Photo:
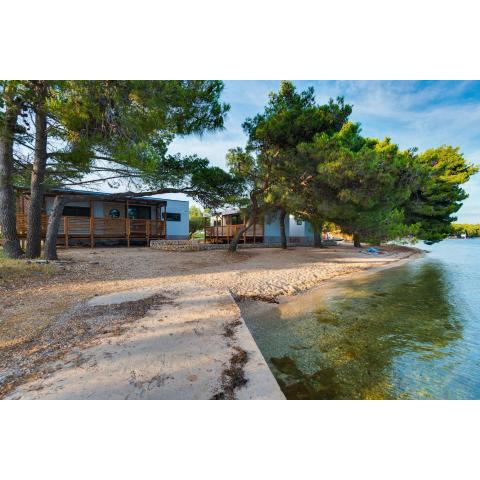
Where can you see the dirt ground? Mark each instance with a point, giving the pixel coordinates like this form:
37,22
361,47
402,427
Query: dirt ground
42,316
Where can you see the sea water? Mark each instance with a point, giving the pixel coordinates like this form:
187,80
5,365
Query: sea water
408,332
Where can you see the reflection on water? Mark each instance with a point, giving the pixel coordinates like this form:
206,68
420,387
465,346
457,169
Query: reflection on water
408,332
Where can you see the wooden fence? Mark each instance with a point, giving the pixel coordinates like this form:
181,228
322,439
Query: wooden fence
225,233
93,228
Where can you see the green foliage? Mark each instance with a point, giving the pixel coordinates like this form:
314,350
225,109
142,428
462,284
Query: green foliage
471,230
268,164
360,183
120,132
291,118
307,159
196,220
439,196
131,124
248,172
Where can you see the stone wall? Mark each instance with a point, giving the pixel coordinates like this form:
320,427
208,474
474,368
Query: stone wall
194,246
181,245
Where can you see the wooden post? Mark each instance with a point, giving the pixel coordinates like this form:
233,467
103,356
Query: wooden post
204,229
254,232
92,232
92,226
165,221
65,230
245,232
147,231
127,224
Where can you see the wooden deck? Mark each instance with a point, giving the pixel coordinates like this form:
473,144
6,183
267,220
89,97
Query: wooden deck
93,229
225,233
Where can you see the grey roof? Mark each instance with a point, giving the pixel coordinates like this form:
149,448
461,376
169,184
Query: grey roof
91,193
226,211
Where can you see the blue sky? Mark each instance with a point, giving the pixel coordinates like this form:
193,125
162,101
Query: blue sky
419,114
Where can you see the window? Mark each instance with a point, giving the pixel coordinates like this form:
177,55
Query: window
114,213
69,211
236,219
173,217
143,213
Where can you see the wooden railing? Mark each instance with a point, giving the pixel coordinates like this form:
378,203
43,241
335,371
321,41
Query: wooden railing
222,233
22,225
99,228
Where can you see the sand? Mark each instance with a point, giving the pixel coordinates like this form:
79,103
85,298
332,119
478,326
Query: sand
98,354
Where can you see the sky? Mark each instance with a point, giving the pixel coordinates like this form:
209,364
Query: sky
419,114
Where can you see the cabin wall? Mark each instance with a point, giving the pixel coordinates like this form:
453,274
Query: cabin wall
309,233
300,234
178,230
101,209
296,231
49,205
272,228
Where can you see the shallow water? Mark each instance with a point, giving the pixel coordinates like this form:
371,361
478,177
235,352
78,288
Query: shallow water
409,332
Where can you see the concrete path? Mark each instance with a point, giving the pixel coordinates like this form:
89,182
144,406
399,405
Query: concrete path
196,346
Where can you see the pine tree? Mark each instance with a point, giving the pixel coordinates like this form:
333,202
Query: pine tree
118,131
360,184
289,119
432,206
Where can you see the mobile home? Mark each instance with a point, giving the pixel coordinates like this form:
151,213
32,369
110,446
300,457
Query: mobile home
222,226
93,221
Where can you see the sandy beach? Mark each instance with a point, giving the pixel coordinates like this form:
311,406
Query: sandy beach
58,340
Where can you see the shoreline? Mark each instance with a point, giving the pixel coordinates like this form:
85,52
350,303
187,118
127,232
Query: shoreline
250,307
365,272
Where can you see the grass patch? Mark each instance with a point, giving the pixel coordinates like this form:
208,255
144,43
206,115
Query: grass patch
13,271
198,235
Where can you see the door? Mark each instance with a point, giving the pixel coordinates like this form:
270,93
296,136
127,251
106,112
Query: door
139,215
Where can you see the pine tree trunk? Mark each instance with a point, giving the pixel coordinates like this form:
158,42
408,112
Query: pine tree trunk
317,234
356,240
236,238
251,220
34,234
8,220
317,239
283,237
50,250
